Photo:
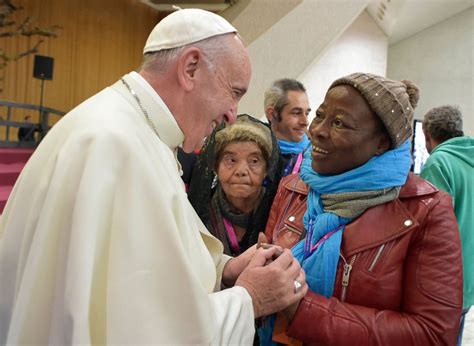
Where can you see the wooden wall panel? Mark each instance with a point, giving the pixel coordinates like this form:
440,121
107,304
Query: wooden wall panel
100,41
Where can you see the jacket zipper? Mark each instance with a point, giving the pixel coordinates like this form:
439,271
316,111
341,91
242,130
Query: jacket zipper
293,229
376,258
346,273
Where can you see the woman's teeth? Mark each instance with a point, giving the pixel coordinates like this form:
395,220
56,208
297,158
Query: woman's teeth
319,150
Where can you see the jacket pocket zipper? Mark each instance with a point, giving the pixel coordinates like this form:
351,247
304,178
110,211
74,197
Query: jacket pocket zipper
376,258
346,273
293,229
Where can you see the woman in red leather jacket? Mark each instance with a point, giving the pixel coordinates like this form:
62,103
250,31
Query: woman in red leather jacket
379,245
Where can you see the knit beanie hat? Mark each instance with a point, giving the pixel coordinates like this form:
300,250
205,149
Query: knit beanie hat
392,101
245,129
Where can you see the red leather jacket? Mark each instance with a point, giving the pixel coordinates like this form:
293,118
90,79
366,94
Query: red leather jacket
405,286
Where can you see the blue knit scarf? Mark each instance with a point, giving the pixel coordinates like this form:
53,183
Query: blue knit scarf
381,172
287,147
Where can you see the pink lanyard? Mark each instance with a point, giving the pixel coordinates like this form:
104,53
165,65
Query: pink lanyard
234,243
308,249
296,167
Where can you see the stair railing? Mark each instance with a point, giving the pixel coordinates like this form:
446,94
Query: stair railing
6,121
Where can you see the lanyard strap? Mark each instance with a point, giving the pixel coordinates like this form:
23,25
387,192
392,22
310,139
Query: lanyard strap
234,243
308,248
297,165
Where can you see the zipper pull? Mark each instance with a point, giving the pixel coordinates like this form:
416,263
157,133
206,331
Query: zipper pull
346,274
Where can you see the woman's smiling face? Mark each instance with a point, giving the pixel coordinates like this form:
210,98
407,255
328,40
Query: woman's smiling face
345,133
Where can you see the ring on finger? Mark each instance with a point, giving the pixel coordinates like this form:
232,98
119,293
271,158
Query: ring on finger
297,285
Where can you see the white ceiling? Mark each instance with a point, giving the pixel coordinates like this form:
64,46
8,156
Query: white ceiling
400,19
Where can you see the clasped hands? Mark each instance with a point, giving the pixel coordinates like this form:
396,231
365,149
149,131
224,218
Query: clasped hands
271,276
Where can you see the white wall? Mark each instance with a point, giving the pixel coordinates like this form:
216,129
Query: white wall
361,48
440,61
293,42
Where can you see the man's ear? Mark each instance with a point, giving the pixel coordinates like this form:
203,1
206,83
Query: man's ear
430,143
270,113
427,136
188,64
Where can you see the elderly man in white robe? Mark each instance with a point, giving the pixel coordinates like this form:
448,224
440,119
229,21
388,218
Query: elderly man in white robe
98,242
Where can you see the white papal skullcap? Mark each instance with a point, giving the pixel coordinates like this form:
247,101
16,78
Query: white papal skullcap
184,27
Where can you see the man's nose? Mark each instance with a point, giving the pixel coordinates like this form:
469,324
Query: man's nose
304,120
231,116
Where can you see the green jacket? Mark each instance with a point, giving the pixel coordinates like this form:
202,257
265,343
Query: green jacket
450,167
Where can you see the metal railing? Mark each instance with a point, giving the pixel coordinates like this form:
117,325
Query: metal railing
6,121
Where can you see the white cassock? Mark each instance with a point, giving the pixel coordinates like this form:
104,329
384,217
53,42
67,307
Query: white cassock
99,244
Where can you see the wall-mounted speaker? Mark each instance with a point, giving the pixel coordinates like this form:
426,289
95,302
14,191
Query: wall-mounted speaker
43,67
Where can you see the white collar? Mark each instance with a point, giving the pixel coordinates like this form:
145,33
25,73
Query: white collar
161,116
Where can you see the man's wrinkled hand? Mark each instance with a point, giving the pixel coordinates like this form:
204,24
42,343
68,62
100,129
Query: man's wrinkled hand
272,286
236,266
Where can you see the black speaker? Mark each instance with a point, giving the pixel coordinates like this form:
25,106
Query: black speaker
43,67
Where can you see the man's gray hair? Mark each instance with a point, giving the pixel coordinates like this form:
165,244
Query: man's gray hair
443,123
212,48
277,95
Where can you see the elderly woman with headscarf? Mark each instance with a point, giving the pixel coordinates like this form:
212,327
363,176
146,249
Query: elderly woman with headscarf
379,245
235,181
